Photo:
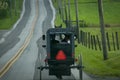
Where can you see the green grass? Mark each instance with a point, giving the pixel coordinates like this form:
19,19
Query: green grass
58,20
111,12
7,22
94,63
93,60
88,11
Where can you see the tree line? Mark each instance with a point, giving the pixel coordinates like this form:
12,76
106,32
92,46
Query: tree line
3,8
9,7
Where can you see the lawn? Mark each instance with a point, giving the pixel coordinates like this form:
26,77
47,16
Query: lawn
88,11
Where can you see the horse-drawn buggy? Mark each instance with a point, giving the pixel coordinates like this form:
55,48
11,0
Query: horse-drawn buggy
60,47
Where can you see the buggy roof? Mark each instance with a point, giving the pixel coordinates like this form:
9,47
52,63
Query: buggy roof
60,31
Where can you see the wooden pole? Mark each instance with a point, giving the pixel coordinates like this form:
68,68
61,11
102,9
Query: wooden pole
69,13
100,9
108,41
117,41
77,20
61,7
113,40
66,21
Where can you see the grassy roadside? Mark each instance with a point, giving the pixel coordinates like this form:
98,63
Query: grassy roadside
94,63
7,22
93,60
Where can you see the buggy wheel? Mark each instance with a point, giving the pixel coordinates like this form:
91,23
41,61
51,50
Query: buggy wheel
40,73
59,77
80,67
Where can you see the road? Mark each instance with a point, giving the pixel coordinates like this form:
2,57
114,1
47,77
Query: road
12,35
25,39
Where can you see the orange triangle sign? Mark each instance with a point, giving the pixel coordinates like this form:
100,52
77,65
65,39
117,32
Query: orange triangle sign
60,55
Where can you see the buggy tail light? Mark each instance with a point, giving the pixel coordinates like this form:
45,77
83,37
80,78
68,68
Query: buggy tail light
60,55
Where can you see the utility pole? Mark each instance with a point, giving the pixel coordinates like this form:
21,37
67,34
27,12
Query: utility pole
100,8
77,20
69,13
66,21
60,9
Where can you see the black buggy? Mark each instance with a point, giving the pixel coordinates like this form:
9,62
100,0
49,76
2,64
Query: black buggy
60,53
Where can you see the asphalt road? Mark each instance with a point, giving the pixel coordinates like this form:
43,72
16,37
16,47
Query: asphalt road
10,38
25,68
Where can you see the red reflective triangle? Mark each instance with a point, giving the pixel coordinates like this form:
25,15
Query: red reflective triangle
60,55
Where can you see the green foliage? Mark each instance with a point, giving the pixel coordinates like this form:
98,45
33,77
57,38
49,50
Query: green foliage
3,9
10,14
3,13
